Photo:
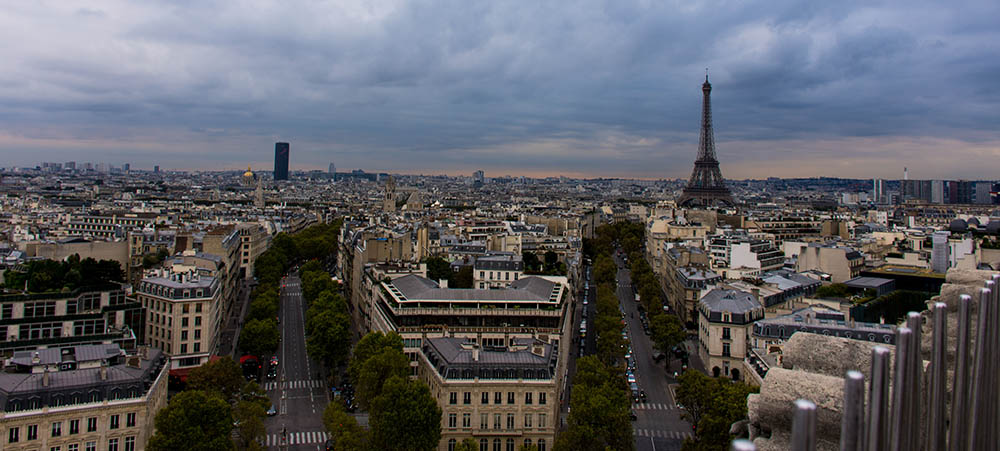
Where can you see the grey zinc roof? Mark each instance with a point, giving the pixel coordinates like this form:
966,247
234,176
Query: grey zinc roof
52,356
451,351
416,288
733,301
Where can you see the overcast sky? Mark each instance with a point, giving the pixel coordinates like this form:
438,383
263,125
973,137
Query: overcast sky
594,88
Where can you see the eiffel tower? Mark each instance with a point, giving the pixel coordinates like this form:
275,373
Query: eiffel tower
706,187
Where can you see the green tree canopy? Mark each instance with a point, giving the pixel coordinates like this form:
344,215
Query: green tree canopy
221,376
712,405
193,421
248,418
405,417
329,338
438,269
666,331
468,444
259,337
347,435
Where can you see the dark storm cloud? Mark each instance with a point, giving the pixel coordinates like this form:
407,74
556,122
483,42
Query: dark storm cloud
586,87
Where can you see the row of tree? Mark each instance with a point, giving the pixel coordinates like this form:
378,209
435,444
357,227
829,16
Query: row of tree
49,275
712,405
328,325
600,405
403,415
218,410
260,333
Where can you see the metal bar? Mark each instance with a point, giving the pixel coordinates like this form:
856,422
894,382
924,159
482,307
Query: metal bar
939,373
742,445
804,426
914,321
995,359
978,426
852,423
958,433
878,398
900,428
989,386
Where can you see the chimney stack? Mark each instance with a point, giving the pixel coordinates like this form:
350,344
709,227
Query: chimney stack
104,370
45,377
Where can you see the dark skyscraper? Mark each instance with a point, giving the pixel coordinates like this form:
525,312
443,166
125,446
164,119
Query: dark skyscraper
281,161
706,186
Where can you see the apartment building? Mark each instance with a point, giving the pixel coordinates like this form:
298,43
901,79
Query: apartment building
501,397
81,398
686,275
724,323
100,314
497,271
183,305
840,262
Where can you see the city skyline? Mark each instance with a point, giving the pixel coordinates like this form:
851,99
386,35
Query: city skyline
845,90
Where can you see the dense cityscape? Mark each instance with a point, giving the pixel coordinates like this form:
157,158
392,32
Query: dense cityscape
570,292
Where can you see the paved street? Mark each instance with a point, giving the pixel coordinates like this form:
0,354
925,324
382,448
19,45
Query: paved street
297,393
658,425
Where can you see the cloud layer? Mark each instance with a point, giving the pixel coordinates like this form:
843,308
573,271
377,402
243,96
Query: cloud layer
604,88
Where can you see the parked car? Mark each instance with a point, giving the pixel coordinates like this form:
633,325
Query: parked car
272,411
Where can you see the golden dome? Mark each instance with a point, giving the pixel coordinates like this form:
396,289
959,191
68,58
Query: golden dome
248,173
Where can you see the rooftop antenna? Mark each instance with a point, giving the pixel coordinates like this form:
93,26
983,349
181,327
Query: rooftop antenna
706,75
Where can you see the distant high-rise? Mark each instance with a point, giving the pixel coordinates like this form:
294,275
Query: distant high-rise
706,186
281,161
156,169
479,176
126,167
333,169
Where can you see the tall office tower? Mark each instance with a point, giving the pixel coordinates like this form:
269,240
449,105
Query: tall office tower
333,169
479,176
281,161
940,252
156,169
878,191
126,167
70,165
706,186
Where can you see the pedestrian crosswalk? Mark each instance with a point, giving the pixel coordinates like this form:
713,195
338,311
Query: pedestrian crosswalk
290,385
653,406
663,434
297,438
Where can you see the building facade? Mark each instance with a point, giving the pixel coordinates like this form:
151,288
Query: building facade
82,398
281,151
724,323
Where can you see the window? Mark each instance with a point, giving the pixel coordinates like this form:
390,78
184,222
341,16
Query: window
726,335
91,424
527,397
541,444
527,443
527,421
467,421
197,308
184,322
453,398
451,444
115,420
184,335
510,397
467,398
130,420
497,398
510,421
90,446
725,349
197,321
541,421
55,448
186,308
57,429
484,421
510,444
113,444
452,421
184,348
14,435
7,311
197,334
73,447
497,445
33,432
541,398
197,347
486,397
74,426
484,444
496,421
